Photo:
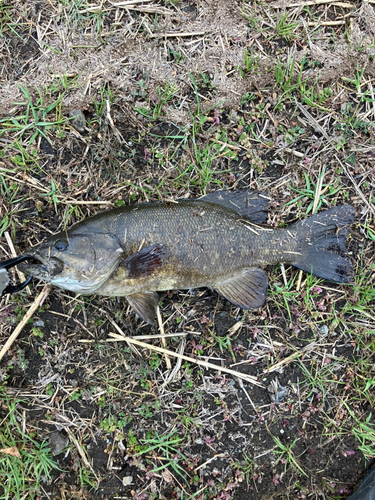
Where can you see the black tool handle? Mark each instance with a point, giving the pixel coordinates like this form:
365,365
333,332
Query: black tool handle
7,264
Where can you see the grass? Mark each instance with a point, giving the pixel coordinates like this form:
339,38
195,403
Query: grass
26,464
157,102
286,455
365,433
168,117
166,450
313,190
33,122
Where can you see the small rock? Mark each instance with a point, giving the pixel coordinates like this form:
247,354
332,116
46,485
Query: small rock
39,323
324,329
39,205
78,120
126,480
57,442
168,130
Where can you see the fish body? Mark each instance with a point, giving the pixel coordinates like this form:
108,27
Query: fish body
215,241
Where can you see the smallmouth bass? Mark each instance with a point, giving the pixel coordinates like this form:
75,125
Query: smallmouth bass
215,241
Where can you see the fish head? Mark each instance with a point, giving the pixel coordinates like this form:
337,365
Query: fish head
78,262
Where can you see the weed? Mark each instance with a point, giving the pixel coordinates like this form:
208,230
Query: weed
115,423
310,192
224,343
287,294
28,463
52,194
286,455
249,470
251,62
286,29
168,452
365,433
356,81
34,122
100,104
156,103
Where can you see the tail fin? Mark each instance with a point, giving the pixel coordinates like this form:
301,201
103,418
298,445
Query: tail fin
322,239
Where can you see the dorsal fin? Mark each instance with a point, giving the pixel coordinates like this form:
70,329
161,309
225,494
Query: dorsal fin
251,204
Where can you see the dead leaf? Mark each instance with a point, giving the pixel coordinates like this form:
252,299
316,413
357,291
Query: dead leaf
167,476
11,451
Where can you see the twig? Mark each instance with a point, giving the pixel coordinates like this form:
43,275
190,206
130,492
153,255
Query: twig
326,23
80,451
161,329
246,393
130,340
290,358
115,130
283,273
225,144
171,35
312,120
61,198
37,303
218,455
315,2
143,337
349,175
318,190
177,366
128,2
299,279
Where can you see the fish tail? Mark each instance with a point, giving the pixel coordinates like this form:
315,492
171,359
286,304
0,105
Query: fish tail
322,243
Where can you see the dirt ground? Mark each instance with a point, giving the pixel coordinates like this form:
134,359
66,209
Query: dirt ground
175,100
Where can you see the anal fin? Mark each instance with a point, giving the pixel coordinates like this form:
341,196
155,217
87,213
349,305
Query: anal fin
144,304
247,289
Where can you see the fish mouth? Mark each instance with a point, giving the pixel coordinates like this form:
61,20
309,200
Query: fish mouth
41,267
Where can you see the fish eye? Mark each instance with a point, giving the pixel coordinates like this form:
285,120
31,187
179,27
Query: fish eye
61,245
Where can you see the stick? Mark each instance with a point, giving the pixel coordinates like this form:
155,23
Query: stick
289,359
161,328
128,2
80,451
318,190
316,2
143,337
349,175
37,303
171,35
130,340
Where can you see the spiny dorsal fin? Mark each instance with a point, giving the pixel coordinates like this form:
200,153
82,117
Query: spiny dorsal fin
247,289
144,304
145,262
251,204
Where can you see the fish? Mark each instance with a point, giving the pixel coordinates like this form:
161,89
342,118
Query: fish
217,241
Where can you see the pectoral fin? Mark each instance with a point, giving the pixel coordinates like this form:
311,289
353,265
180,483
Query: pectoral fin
144,304
247,290
145,262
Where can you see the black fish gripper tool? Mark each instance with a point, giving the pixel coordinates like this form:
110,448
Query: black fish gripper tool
8,264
